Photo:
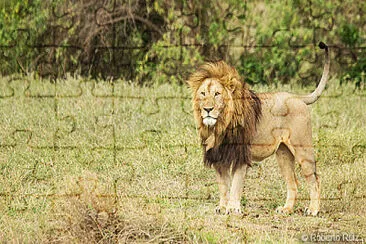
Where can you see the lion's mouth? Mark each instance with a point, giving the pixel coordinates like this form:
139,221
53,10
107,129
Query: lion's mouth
209,121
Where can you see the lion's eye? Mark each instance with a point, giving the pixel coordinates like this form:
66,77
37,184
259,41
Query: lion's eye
203,93
217,93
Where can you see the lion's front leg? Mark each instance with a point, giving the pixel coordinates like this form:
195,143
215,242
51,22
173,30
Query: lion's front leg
223,180
236,190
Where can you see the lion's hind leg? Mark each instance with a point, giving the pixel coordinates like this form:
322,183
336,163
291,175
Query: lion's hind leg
305,156
309,171
286,162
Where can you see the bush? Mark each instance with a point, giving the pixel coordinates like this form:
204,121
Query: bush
159,41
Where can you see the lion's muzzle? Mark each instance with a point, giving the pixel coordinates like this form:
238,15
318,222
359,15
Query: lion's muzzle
209,121
208,115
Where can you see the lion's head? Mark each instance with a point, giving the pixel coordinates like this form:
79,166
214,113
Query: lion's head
226,111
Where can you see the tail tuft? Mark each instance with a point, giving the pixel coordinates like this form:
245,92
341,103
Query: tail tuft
322,45
311,98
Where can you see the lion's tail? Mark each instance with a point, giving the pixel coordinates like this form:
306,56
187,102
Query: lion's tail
311,98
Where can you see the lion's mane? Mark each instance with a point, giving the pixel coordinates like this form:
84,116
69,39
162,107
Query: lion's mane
228,142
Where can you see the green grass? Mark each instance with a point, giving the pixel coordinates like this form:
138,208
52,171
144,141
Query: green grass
82,161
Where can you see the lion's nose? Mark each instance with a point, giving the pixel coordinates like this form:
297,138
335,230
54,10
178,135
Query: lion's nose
208,109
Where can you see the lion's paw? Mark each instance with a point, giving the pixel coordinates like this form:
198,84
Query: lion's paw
236,211
284,210
233,208
220,210
311,212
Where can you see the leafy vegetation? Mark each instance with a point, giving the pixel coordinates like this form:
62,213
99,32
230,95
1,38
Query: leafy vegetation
271,42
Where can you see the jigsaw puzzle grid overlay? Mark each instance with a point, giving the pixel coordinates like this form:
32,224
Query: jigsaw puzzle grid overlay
134,145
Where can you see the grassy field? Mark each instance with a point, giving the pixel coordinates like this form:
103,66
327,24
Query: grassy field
83,161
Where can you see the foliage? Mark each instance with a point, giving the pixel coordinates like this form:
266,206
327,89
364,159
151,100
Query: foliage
19,20
356,74
159,41
349,34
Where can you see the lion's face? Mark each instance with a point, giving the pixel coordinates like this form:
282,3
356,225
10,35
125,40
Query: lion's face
222,102
211,100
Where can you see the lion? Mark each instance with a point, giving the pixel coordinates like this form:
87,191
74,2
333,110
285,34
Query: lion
238,126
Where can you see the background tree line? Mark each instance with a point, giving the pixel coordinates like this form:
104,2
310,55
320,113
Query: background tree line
157,41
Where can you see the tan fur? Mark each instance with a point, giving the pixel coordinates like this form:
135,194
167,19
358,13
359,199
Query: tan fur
237,126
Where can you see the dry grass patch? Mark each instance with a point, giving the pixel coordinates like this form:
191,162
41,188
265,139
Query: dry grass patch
92,218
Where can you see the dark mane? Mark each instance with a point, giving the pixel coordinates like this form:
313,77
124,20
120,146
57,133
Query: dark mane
234,149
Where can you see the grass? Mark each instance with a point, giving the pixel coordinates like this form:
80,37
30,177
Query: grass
83,161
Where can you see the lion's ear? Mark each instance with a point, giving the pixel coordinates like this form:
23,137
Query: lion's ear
189,83
233,85
192,85
231,88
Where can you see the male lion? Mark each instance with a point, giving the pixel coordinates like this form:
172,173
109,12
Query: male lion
237,126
